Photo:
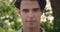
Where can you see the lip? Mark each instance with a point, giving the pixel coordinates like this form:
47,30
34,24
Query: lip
31,21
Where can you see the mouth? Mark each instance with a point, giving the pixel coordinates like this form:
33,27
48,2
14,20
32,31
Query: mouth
31,21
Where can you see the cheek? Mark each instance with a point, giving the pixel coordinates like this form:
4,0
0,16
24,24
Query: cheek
38,16
23,16
23,19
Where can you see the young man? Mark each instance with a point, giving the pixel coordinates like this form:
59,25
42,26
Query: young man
30,12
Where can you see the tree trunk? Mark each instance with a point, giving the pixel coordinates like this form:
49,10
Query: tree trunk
56,13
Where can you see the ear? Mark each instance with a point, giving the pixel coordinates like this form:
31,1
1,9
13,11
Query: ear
19,11
42,12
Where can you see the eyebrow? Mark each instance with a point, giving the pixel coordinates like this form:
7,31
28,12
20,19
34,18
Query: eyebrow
25,9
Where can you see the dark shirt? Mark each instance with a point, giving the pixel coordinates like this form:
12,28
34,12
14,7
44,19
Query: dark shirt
21,30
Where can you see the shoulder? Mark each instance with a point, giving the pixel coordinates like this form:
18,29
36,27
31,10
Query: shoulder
43,30
20,30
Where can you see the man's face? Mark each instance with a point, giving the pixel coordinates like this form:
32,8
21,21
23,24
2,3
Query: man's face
30,13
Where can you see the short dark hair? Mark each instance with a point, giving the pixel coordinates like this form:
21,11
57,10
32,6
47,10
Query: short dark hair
42,4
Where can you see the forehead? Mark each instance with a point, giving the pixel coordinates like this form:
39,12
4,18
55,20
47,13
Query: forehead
29,4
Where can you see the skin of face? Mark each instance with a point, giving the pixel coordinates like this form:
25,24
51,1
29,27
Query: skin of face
30,13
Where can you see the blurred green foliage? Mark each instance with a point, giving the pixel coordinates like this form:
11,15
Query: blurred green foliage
9,18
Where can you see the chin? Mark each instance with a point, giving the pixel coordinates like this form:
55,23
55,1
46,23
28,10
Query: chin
31,26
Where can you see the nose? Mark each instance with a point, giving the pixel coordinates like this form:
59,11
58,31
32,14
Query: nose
30,14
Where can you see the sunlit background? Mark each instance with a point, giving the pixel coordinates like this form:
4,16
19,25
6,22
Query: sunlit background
10,21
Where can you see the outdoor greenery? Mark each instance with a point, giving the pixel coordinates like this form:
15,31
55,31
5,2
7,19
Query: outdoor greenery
9,18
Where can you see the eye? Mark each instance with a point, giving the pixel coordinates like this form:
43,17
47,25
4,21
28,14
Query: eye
36,9
25,10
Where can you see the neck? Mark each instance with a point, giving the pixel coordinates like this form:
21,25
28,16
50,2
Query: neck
35,29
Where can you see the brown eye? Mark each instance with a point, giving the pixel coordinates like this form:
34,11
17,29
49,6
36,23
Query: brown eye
36,10
25,10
